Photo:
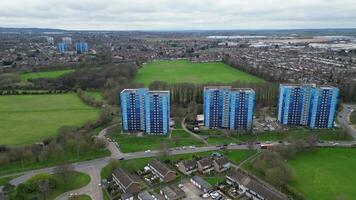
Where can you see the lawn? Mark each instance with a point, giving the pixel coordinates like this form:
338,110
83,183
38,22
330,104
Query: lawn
186,71
5,180
217,137
327,174
48,74
143,143
78,180
27,119
84,197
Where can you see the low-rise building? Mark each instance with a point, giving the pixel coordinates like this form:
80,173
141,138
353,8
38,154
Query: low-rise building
251,187
161,171
145,195
221,164
200,183
127,196
187,167
125,181
172,193
205,165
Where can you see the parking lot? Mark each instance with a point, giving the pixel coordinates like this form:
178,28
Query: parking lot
192,192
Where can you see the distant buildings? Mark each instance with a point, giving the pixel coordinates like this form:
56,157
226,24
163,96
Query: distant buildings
307,105
50,40
145,111
67,40
230,108
62,47
81,47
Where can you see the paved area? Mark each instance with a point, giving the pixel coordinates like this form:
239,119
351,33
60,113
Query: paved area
344,119
198,137
192,192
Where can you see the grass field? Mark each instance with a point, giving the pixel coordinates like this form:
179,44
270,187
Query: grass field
96,95
5,180
49,74
186,71
144,143
27,119
216,136
327,174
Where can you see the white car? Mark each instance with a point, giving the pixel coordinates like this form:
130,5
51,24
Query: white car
180,185
192,147
205,195
147,151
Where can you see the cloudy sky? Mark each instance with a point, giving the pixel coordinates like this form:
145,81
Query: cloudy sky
177,14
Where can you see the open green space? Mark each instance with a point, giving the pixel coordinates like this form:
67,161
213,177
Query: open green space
77,180
48,74
5,180
27,119
327,174
219,137
143,143
186,71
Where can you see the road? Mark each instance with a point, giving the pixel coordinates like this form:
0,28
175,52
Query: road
344,119
198,137
93,167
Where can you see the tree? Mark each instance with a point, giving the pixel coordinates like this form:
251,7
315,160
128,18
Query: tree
64,172
279,176
44,188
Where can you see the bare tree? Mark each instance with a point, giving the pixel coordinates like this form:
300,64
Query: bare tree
64,172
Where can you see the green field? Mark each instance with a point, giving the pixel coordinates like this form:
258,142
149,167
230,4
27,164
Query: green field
327,174
27,119
144,143
216,136
186,71
49,74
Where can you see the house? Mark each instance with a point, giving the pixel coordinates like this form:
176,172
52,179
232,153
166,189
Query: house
127,196
252,188
172,193
125,181
187,166
145,195
161,171
205,165
200,183
221,164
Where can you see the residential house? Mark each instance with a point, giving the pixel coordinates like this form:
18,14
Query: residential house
161,171
205,165
252,188
172,193
200,183
145,195
125,181
127,196
221,164
187,167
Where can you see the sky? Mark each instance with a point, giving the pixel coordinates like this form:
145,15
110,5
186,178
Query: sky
177,14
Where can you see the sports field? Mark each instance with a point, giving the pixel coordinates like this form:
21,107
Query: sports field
186,71
27,119
327,174
49,74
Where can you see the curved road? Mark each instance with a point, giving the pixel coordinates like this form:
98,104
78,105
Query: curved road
344,119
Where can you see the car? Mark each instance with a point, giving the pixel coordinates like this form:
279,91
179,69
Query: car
184,147
232,144
180,185
177,148
122,158
225,145
99,184
192,147
148,151
205,195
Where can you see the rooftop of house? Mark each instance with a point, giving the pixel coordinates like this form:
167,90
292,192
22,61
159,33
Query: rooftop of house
160,167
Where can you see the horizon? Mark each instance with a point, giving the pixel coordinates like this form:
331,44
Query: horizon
155,15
